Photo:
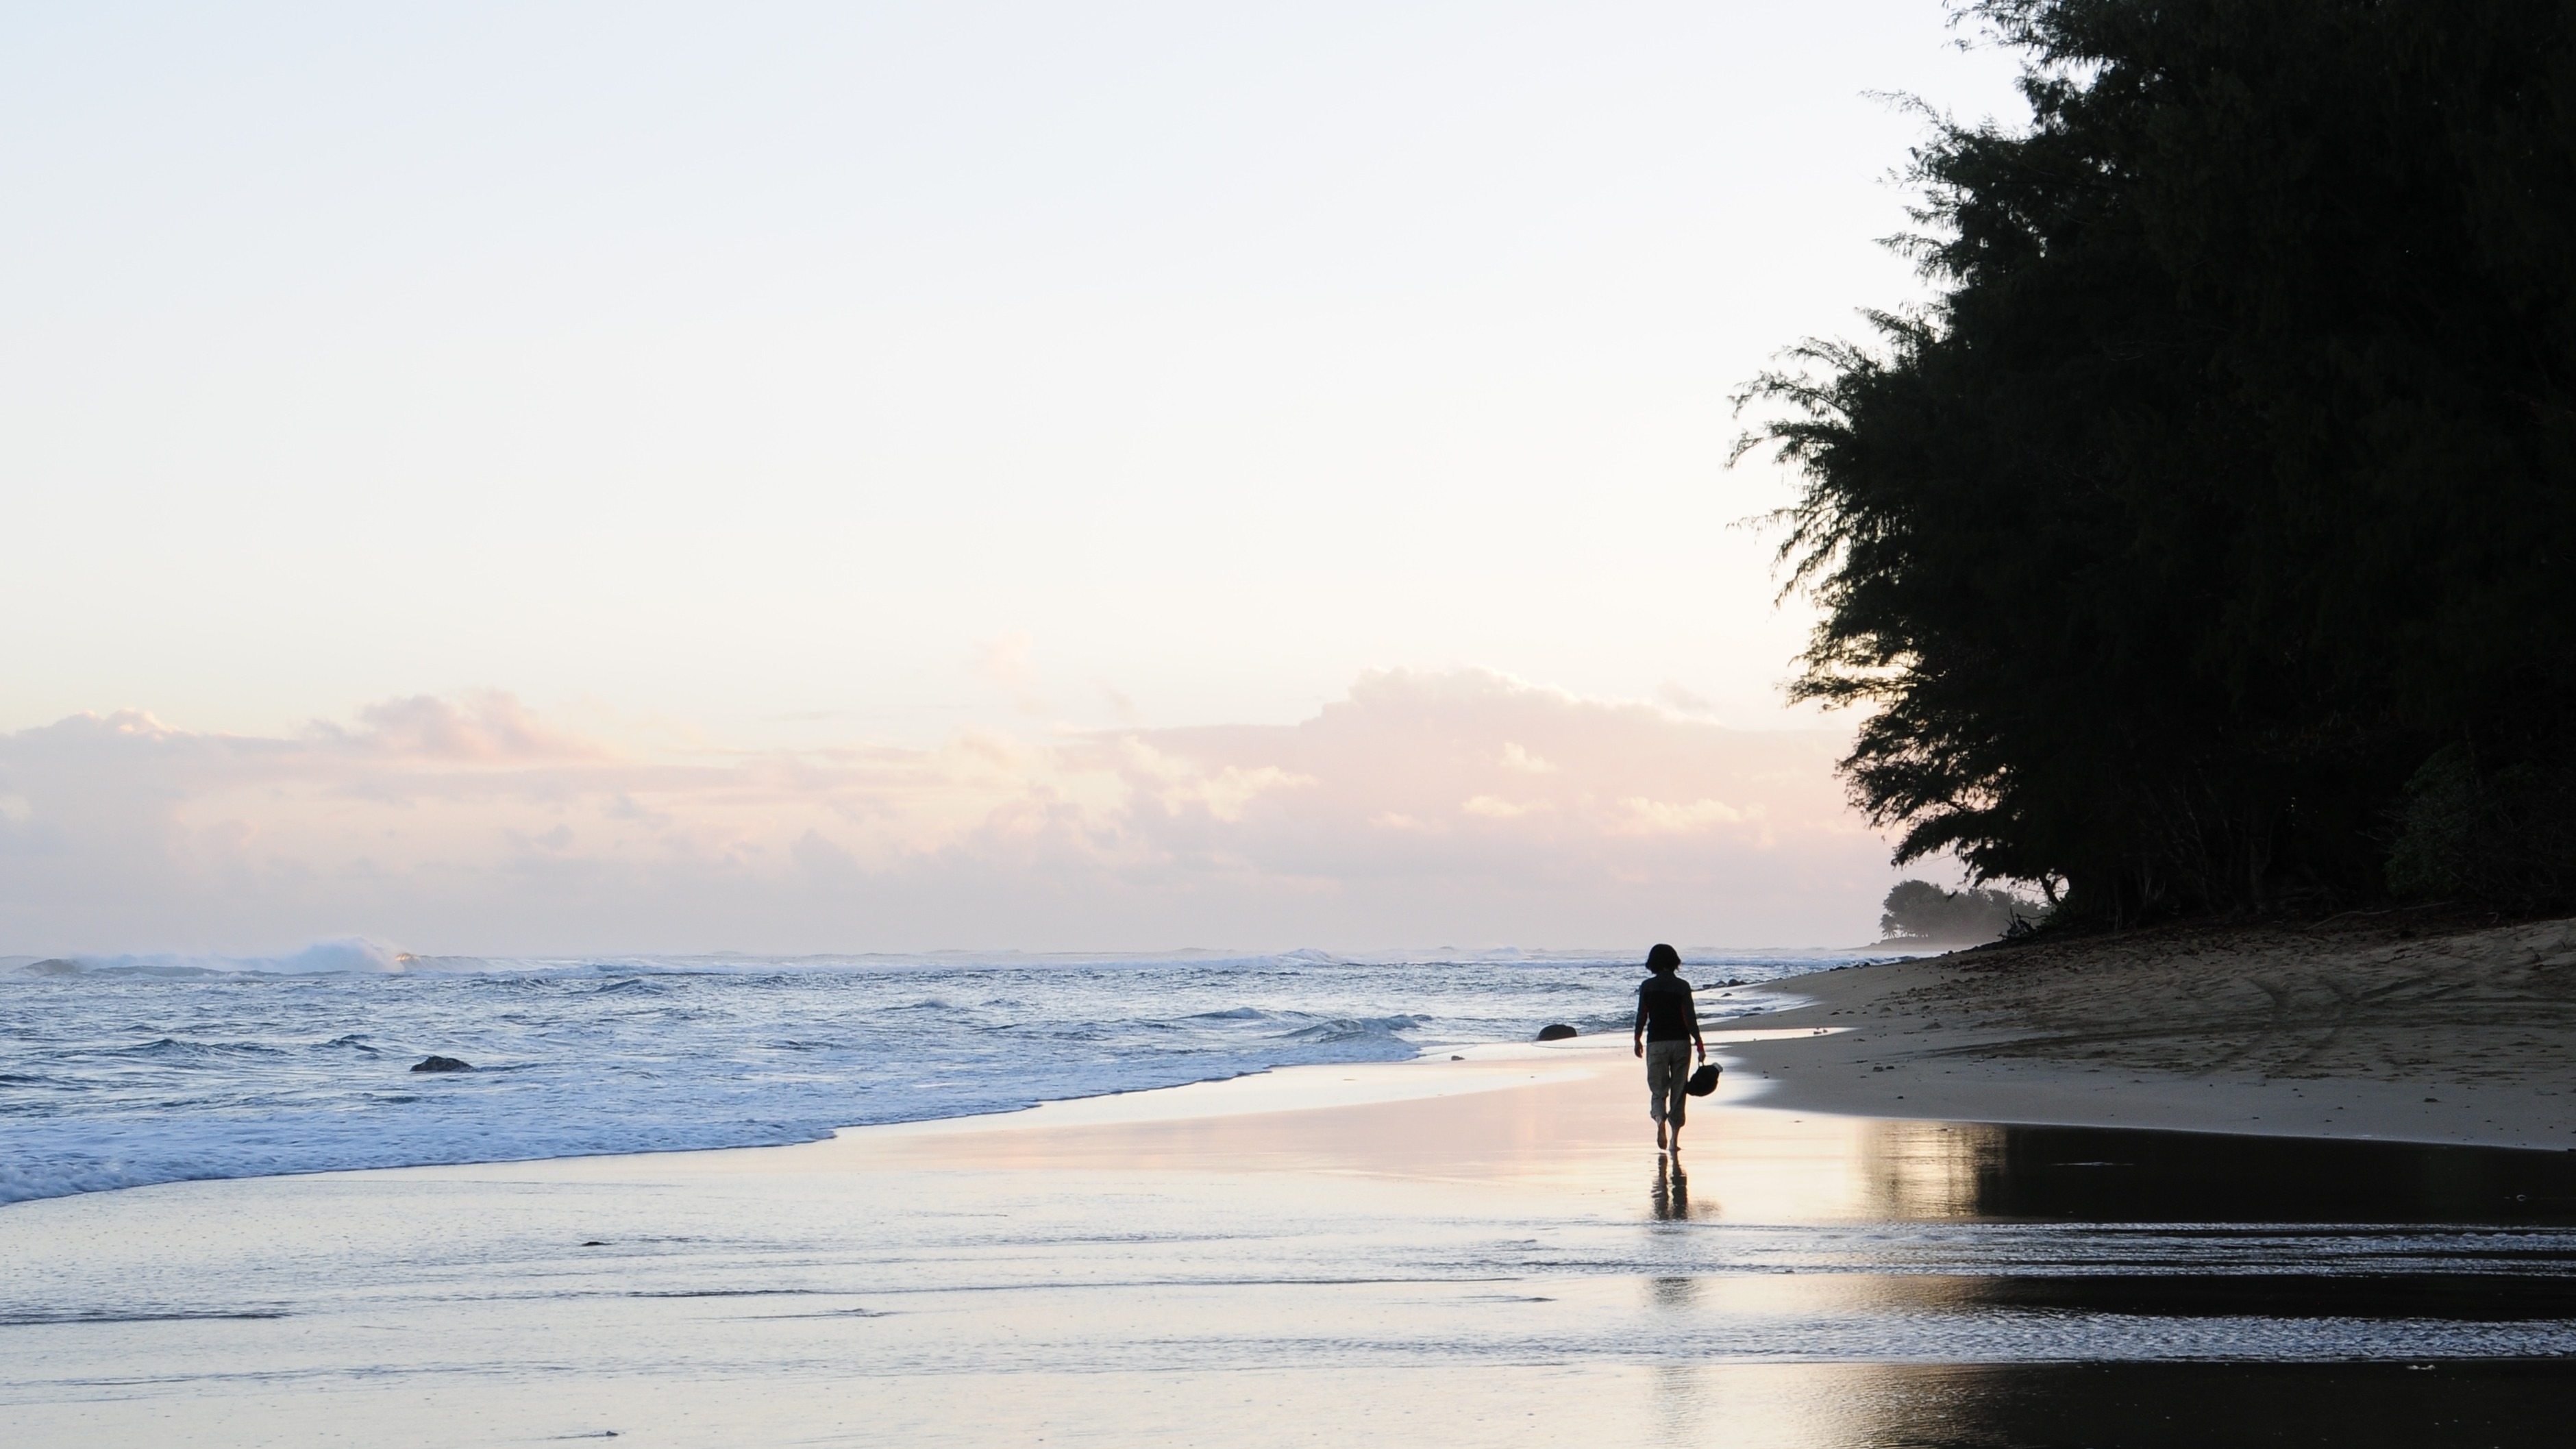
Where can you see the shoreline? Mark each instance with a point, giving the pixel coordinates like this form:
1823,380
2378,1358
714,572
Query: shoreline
2266,1032
2464,1039
131,1081
1477,1246
2372,1034
1526,1113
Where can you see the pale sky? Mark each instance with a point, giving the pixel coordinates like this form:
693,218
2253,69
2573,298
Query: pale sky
770,388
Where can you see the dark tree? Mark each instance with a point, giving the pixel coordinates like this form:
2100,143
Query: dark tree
2230,482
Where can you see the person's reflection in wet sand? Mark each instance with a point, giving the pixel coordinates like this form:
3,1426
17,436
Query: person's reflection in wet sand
1672,1190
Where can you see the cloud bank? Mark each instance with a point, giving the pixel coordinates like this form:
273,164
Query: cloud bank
1425,809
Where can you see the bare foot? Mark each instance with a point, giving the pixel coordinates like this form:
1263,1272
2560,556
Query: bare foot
1659,1137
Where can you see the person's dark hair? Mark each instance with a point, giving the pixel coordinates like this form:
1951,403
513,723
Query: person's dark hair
1663,960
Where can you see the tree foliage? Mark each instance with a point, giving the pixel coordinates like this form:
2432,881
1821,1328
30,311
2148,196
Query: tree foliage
1920,912
2231,477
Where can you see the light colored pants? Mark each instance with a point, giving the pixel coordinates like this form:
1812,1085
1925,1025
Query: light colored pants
1668,1072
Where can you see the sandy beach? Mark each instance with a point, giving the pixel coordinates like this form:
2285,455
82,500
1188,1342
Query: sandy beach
961,726
1478,1248
2363,1029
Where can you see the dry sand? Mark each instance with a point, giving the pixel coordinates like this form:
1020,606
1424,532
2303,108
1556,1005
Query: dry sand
2355,1029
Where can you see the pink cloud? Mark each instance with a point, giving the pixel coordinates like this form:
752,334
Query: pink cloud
1456,808
481,727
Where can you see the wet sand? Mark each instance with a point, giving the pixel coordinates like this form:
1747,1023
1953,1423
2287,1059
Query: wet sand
2361,1029
1483,1251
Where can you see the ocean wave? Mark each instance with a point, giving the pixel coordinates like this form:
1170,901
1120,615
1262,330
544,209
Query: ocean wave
1342,1029
165,1068
170,1046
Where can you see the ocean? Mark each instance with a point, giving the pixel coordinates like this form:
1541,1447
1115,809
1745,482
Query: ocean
124,1071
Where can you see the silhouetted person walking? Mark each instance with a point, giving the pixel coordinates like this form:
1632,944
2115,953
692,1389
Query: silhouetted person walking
1667,1031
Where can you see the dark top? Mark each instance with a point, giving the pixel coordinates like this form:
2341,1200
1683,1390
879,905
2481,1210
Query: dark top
1664,1005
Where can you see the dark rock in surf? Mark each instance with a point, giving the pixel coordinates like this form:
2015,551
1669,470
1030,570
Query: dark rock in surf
441,1064
1558,1032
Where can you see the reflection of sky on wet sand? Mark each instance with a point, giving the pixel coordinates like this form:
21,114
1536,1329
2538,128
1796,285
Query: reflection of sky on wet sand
1504,1265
